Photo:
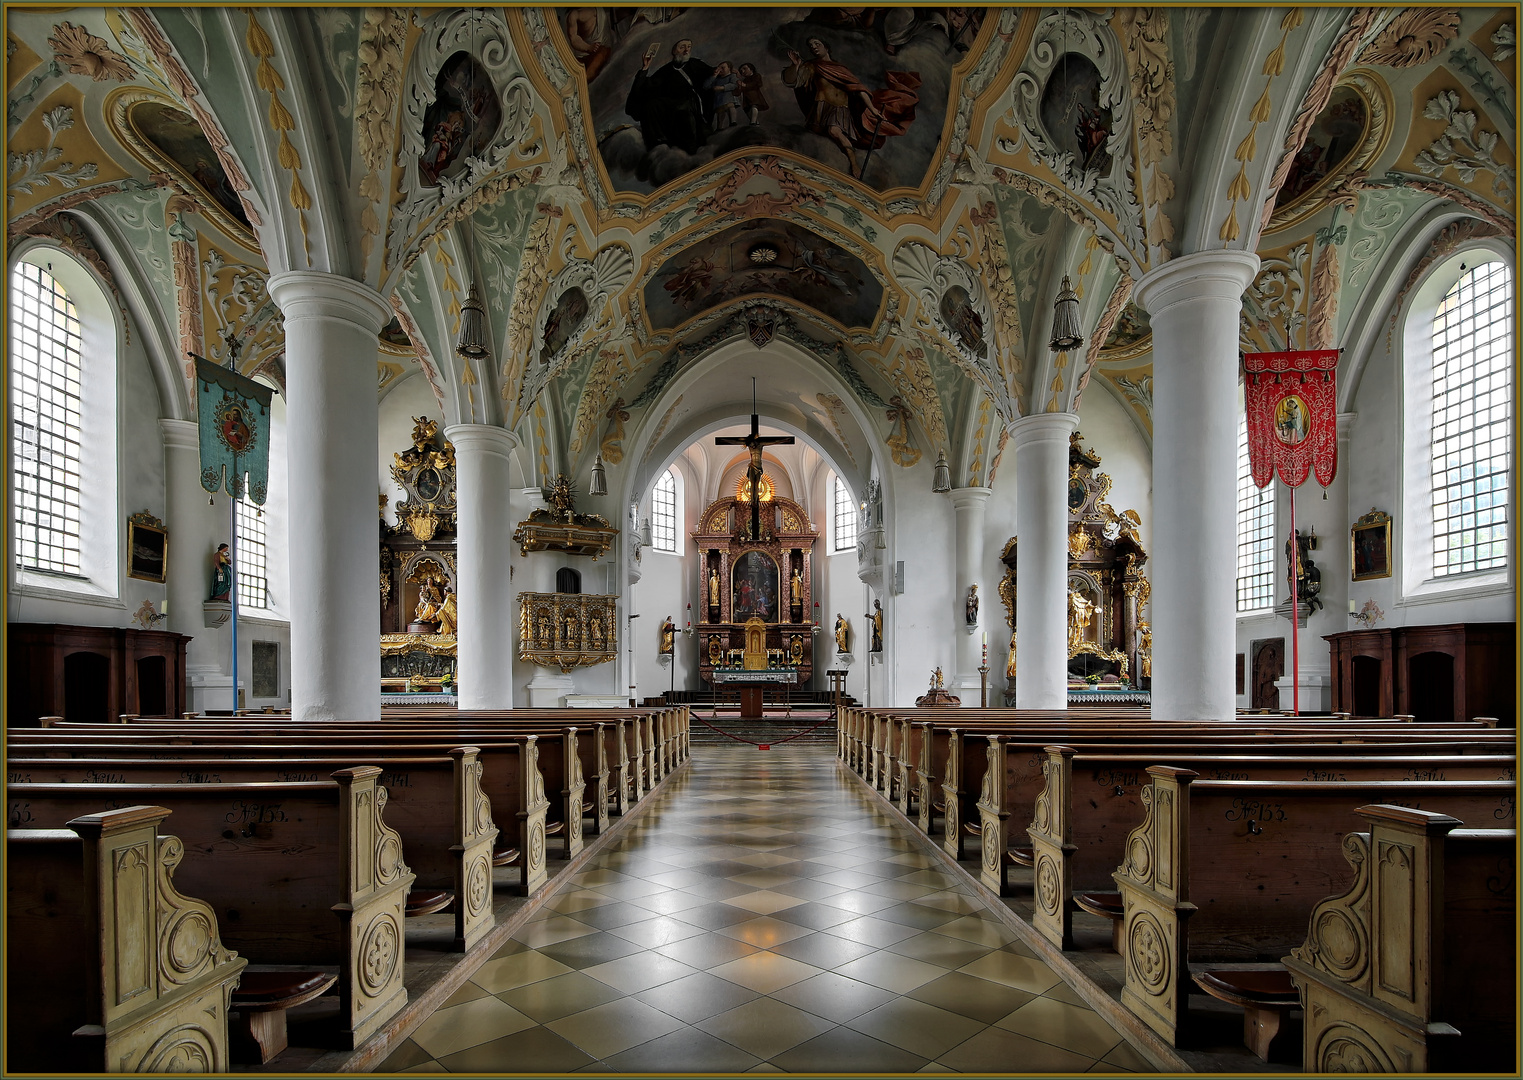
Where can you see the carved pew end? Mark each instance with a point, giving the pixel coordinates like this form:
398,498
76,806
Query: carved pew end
506,857
428,901
258,1032
1106,905
1265,996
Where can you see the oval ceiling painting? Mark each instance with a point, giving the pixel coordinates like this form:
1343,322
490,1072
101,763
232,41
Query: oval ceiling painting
863,91
1334,136
763,257
177,136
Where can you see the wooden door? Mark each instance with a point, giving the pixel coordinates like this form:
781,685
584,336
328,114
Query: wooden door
1268,665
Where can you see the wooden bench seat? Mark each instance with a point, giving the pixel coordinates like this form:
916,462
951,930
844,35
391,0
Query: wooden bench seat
435,803
1231,869
260,1004
1413,968
299,873
1266,996
109,967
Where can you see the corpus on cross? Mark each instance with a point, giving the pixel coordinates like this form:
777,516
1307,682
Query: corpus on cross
754,443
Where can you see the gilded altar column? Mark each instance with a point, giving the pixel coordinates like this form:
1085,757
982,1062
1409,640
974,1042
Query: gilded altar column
331,352
485,596
1041,524
969,503
1195,302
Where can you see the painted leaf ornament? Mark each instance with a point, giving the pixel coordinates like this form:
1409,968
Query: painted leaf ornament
1292,407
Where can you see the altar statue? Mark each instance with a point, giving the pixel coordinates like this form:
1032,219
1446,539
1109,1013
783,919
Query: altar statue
1010,660
668,631
429,602
1080,610
796,588
447,612
843,629
713,588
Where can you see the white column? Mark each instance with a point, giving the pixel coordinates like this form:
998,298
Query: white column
332,434
969,503
1041,588
483,594
1195,302
196,528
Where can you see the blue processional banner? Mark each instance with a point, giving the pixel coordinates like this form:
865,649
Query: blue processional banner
234,420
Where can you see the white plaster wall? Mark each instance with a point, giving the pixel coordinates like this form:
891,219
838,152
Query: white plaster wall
919,623
1124,457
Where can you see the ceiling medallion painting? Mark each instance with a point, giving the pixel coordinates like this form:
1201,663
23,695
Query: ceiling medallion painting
863,91
1347,135
763,257
166,139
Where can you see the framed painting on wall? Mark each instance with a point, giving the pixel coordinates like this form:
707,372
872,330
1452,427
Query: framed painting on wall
147,548
1370,546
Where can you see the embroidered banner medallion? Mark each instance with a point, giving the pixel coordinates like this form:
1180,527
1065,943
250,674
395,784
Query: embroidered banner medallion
1292,407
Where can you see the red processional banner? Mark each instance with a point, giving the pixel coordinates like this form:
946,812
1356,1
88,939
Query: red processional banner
1292,415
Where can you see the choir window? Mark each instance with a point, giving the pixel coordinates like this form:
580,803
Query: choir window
64,519
843,529
1255,532
1472,419
252,567
663,513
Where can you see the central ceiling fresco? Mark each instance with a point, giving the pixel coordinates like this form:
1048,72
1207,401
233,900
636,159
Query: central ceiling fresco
769,257
862,91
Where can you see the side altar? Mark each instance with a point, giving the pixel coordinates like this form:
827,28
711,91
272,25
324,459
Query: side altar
755,671
757,588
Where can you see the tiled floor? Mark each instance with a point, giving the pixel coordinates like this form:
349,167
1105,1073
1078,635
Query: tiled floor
763,915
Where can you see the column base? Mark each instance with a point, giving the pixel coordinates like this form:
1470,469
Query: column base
213,691
1316,692
549,691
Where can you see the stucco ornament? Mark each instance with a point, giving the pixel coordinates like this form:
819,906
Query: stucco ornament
1413,38
482,34
1076,32
85,54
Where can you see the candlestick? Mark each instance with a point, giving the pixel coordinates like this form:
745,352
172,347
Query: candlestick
1351,606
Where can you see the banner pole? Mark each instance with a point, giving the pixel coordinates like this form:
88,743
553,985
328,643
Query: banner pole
1295,604
232,592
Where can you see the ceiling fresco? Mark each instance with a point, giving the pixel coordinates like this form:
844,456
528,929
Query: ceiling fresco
889,197
863,91
763,257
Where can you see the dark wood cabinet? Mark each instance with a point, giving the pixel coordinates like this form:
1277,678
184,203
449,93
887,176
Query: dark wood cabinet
92,673
1435,673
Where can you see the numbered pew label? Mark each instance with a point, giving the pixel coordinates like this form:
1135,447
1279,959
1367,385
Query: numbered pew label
402,779
1128,778
244,813
1421,774
1254,810
192,776
312,777
1226,774
1324,774
99,776
20,814
1504,810
26,777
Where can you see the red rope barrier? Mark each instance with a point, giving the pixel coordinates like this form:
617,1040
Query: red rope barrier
775,742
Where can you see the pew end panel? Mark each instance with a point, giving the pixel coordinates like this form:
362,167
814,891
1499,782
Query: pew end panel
1052,849
110,967
531,830
473,850
1413,969
994,820
1154,881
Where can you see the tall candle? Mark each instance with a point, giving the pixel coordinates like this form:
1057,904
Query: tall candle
1351,607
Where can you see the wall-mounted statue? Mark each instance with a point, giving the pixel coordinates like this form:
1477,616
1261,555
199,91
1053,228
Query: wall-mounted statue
971,606
222,575
668,632
843,634
875,617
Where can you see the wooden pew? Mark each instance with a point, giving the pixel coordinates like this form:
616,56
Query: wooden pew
436,803
109,968
1413,969
509,774
1090,799
307,874
1231,869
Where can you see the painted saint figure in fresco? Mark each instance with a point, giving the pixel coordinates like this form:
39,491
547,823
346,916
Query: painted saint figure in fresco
588,31
753,97
837,105
669,103
724,96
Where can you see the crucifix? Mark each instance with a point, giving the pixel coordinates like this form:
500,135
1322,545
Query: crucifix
754,442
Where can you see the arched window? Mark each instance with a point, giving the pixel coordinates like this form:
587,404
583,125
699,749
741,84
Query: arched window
64,518
1470,447
1255,532
663,513
843,522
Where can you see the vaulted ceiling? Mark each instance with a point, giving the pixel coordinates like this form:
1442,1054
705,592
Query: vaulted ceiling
870,209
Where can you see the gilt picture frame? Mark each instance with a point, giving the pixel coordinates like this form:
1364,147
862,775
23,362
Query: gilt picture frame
147,548
1370,546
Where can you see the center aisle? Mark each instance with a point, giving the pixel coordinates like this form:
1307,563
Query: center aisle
764,915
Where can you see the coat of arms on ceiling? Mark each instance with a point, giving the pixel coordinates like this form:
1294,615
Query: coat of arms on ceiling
761,324
863,91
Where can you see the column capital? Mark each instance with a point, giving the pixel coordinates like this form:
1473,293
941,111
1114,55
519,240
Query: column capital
1042,427
481,438
180,434
1202,275
1345,429
970,498
306,294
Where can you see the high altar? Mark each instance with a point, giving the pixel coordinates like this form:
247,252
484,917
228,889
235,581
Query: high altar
766,580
